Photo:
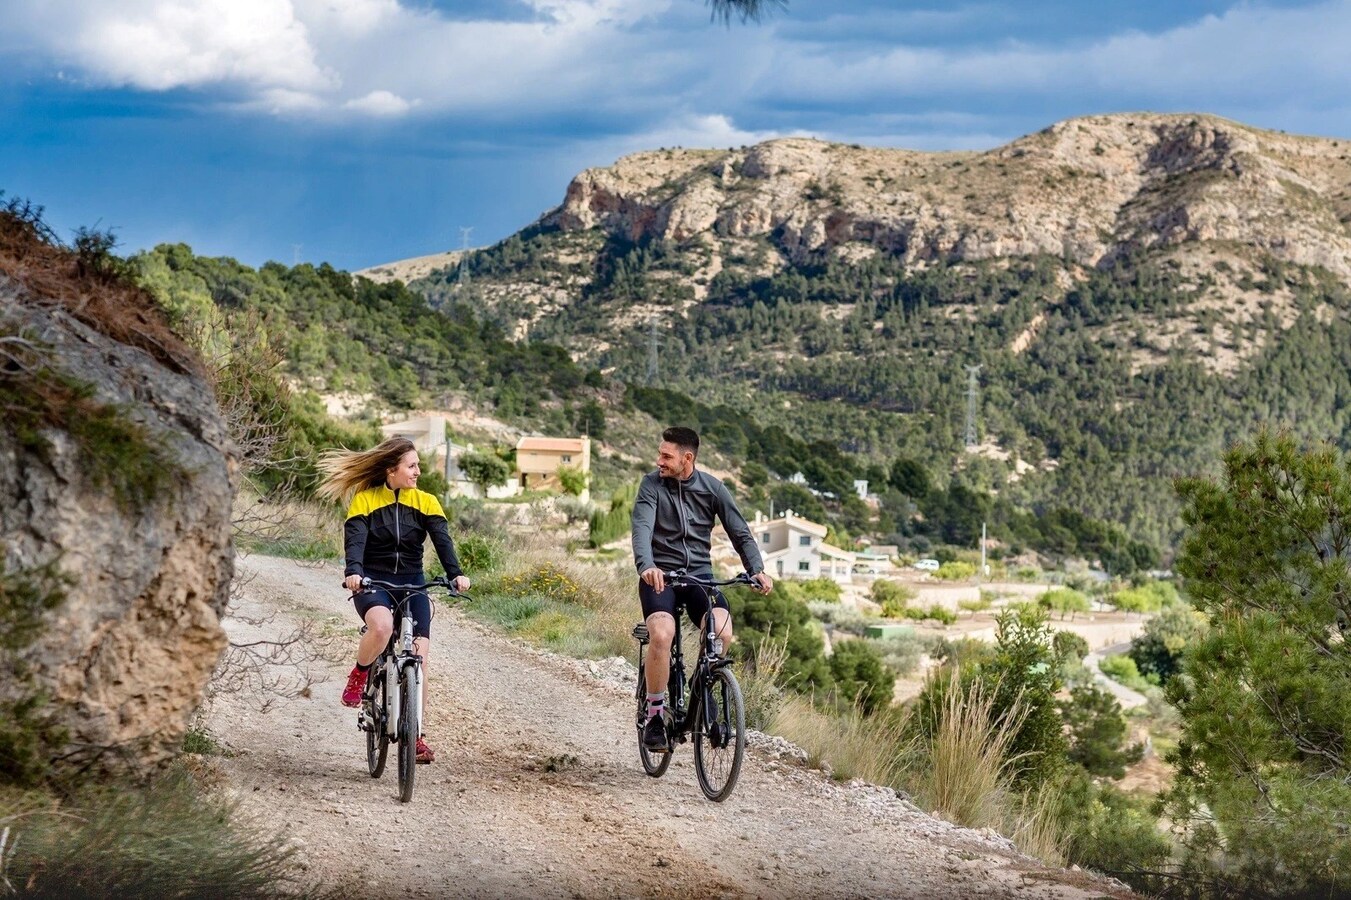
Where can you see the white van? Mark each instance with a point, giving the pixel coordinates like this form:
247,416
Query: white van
927,565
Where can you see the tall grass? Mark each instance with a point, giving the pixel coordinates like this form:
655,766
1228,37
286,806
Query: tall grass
968,774
166,840
854,745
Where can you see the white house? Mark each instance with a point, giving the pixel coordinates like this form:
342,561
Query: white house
794,547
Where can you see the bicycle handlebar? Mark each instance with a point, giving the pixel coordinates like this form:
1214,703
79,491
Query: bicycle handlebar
368,583
681,576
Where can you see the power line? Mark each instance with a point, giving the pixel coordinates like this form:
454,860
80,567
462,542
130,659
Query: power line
652,362
462,276
972,403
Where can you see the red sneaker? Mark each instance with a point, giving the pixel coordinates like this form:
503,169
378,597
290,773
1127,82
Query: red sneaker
425,754
356,683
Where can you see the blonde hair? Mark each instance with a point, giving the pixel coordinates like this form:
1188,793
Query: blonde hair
348,471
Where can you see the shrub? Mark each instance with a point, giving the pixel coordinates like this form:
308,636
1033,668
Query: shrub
852,744
167,840
1097,731
860,677
479,553
1064,600
984,602
1159,650
572,479
778,617
1120,667
1111,831
900,653
1068,645
820,590
884,591
1148,598
956,570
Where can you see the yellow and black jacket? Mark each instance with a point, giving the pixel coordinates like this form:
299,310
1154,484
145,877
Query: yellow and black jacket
386,529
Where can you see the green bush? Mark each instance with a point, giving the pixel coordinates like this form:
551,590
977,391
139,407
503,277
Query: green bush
170,839
982,603
1113,832
1120,667
900,653
1097,732
860,675
616,521
1159,650
820,590
1069,646
778,618
956,570
479,553
1064,600
885,593
572,479
1148,598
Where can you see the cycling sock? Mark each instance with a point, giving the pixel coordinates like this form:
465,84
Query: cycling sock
365,668
656,704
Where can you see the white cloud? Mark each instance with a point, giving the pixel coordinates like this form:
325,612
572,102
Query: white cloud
158,45
379,103
1249,51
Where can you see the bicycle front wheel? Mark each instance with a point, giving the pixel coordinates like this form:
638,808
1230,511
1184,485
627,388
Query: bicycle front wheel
410,724
720,737
655,762
377,738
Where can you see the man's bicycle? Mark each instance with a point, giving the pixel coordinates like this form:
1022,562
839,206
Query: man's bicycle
709,707
391,708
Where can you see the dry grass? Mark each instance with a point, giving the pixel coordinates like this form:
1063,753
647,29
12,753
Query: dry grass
89,283
851,744
967,779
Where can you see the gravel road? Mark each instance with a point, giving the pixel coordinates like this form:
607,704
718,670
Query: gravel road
537,790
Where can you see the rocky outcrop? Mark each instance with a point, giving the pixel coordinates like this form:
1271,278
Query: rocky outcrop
115,470
1087,190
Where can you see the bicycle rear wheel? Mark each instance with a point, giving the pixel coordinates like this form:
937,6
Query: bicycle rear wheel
410,724
377,738
720,736
655,762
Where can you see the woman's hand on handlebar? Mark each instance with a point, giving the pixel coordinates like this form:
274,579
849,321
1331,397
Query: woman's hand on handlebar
461,584
352,583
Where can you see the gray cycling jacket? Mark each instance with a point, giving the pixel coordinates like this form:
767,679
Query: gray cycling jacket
673,524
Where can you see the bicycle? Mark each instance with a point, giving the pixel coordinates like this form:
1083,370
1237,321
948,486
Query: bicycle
391,707
712,711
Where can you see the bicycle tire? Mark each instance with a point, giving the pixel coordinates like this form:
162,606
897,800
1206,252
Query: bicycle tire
718,767
377,738
655,763
409,722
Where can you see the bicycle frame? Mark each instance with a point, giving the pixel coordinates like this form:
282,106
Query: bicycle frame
689,708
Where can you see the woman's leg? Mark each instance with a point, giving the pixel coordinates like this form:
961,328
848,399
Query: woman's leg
379,626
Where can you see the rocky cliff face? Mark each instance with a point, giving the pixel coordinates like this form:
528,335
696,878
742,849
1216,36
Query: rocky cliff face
1085,190
115,495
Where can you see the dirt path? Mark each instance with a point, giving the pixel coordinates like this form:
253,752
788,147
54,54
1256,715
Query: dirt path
537,790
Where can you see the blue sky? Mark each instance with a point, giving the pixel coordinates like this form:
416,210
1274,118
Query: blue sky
362,131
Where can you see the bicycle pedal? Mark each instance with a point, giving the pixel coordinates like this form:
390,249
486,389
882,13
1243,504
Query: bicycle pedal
640,632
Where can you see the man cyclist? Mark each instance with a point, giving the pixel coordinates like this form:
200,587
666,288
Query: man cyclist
673,519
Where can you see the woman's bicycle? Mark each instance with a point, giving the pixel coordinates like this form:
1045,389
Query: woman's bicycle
711,710
391,708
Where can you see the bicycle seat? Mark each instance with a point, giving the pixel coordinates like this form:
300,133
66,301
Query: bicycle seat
640,632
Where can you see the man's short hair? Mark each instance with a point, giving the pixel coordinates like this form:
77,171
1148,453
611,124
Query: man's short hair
682,437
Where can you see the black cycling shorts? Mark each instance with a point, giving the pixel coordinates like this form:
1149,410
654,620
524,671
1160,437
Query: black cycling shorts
694,599
419,605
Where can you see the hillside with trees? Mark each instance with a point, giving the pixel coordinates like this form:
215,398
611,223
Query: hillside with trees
1139,292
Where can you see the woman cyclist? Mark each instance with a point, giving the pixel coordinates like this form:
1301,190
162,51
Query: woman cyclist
388,520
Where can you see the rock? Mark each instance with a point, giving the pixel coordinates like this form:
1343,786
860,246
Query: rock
124,658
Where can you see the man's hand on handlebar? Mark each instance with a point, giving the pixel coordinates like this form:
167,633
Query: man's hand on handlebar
655,579
762,583
352,583
461,584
